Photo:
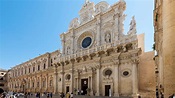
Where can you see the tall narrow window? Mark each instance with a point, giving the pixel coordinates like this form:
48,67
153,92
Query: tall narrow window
51,61
44,83
44,66
29,70
22,71
38,67
37,84
33,68
33,84
25,70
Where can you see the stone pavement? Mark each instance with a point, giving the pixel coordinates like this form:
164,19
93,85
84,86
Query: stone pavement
75,96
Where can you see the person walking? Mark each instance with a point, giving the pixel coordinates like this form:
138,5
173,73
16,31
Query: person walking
47,94
71,95
51,95
62,95
67,95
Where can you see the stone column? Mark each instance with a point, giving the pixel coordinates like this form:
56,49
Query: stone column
98,80
40,83
115,27
116,80
46,81
62,78
91,88
88,82
168,47
62,36
72,78
73,41
134,78
98,30
56,80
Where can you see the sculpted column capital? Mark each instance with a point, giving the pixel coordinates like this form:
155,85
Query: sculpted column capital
135,61
98,66
62,73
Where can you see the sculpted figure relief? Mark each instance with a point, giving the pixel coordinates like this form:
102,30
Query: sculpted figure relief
68,50
108,37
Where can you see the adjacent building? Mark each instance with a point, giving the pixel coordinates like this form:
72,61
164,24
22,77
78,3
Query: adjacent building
164,27
97,58
3,79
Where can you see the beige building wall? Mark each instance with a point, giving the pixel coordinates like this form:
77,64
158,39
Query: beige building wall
146,70
164,24
169,46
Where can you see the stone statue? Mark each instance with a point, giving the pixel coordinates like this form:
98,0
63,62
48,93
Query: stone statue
108,38
132,29
68,50
133,23
86,1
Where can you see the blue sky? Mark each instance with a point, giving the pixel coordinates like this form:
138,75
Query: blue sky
29,28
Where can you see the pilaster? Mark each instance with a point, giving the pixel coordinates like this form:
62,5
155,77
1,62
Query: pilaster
134,77
98,24
98,67
116,79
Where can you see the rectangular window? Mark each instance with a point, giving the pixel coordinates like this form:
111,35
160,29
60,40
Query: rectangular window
33,69
29,70
25,70
44,66
37,84
38,67
29,85
33,84
44,83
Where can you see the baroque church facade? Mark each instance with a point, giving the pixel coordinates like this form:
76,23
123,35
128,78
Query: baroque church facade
97,58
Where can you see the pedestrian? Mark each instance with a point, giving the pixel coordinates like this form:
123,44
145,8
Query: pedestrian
51,94
67,95
2,93
47,94
71,95
62,95
81,92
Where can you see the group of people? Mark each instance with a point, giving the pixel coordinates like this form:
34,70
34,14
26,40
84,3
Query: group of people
48,94
68,95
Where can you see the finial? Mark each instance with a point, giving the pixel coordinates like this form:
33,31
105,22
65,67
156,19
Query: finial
86,1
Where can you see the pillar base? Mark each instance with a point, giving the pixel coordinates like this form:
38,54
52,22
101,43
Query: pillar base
97,94
116,95
92,93
134,95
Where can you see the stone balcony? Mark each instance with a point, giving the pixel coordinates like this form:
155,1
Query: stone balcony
88,52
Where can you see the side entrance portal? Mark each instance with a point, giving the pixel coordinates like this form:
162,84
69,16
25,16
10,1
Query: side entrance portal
67,89
84,86
107,90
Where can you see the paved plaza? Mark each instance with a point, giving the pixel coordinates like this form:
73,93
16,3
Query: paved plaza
75,96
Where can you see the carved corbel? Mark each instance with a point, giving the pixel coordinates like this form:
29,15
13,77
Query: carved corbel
78,59
124,48
66,62
135,60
